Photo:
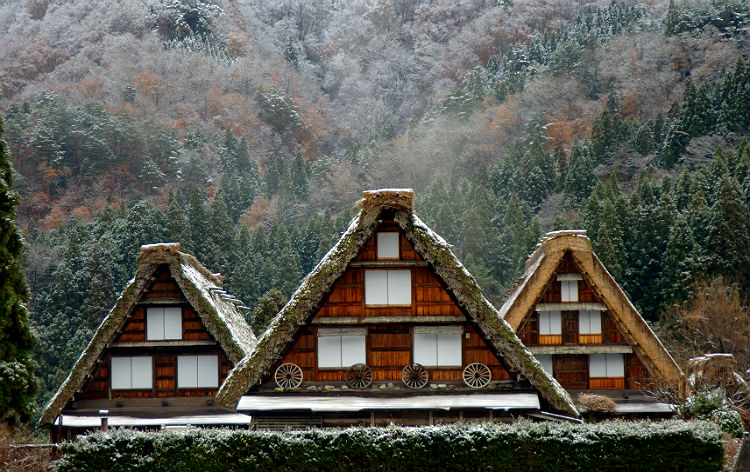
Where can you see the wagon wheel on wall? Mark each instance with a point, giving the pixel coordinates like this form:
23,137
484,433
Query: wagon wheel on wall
359,376
415,375
288,375
477,375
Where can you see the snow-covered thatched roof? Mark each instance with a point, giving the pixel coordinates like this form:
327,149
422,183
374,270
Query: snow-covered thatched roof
201,288
432,248
541,266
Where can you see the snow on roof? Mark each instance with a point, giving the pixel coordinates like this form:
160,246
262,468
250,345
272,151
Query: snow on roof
227,419
350,403
201,288
433,249
540,269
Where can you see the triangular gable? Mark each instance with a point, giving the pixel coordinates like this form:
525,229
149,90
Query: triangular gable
202,289
433,249
541,267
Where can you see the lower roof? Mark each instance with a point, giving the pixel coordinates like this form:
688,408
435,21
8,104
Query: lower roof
226,419
645,408
495,401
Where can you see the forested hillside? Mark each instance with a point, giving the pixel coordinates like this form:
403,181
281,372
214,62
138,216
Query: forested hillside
246,129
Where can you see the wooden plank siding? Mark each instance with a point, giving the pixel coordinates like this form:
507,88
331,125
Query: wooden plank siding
388,350
164,357
164,286
388,345
572,370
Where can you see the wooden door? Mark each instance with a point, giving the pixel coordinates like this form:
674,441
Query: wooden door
570,327
572,371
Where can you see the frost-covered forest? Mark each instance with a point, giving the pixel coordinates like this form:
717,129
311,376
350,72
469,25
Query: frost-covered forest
246,129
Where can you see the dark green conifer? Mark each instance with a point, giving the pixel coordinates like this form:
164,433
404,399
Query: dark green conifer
728,242
17,382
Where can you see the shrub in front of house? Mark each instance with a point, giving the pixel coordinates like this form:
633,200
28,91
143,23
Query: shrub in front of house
523,446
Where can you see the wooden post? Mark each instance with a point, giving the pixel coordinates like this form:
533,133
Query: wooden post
104,414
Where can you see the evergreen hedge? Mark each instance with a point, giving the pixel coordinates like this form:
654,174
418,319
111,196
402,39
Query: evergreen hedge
524,446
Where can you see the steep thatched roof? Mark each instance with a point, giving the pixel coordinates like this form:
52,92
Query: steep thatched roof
542,265
433,249
202,289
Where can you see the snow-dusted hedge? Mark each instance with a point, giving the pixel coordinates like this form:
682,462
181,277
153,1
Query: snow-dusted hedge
524,446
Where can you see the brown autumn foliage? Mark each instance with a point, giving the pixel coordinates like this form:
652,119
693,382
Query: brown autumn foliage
17,454
716,320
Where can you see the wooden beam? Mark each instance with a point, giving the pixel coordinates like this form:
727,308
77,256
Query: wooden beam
162,301
323,320
389,264
178,343
582,349
568,306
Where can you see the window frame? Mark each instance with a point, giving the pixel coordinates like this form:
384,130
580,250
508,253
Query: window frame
569,291
609,364
381,243
549,334
154,312
198,384
339,334
148,365
390,281
436,336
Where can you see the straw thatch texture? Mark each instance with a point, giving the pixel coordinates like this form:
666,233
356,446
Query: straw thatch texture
309,296
202,290
541,265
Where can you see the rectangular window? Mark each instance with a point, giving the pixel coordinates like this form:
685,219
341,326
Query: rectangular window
438,345
198,371
388,246
387,287
606,371
569,290
590,327
131,373
546,361
163,323
550,327
341,347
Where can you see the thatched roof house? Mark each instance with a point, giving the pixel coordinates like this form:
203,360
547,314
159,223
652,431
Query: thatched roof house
576,319
340,280
173,311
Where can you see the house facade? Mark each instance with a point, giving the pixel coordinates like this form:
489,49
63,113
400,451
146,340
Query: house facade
575,319
390,328
160,355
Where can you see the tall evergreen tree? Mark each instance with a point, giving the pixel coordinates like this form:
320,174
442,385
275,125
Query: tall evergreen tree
679,262
17,383
728,242
580,179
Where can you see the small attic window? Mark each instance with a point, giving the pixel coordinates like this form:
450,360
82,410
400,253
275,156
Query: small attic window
569,291
388,245
163,323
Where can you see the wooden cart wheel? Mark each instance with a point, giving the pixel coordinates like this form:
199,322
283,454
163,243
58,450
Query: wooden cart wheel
288,376
359,376
415,375
477,375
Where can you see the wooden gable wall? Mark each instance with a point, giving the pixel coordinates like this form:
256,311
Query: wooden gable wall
572,370
164,291
389,328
